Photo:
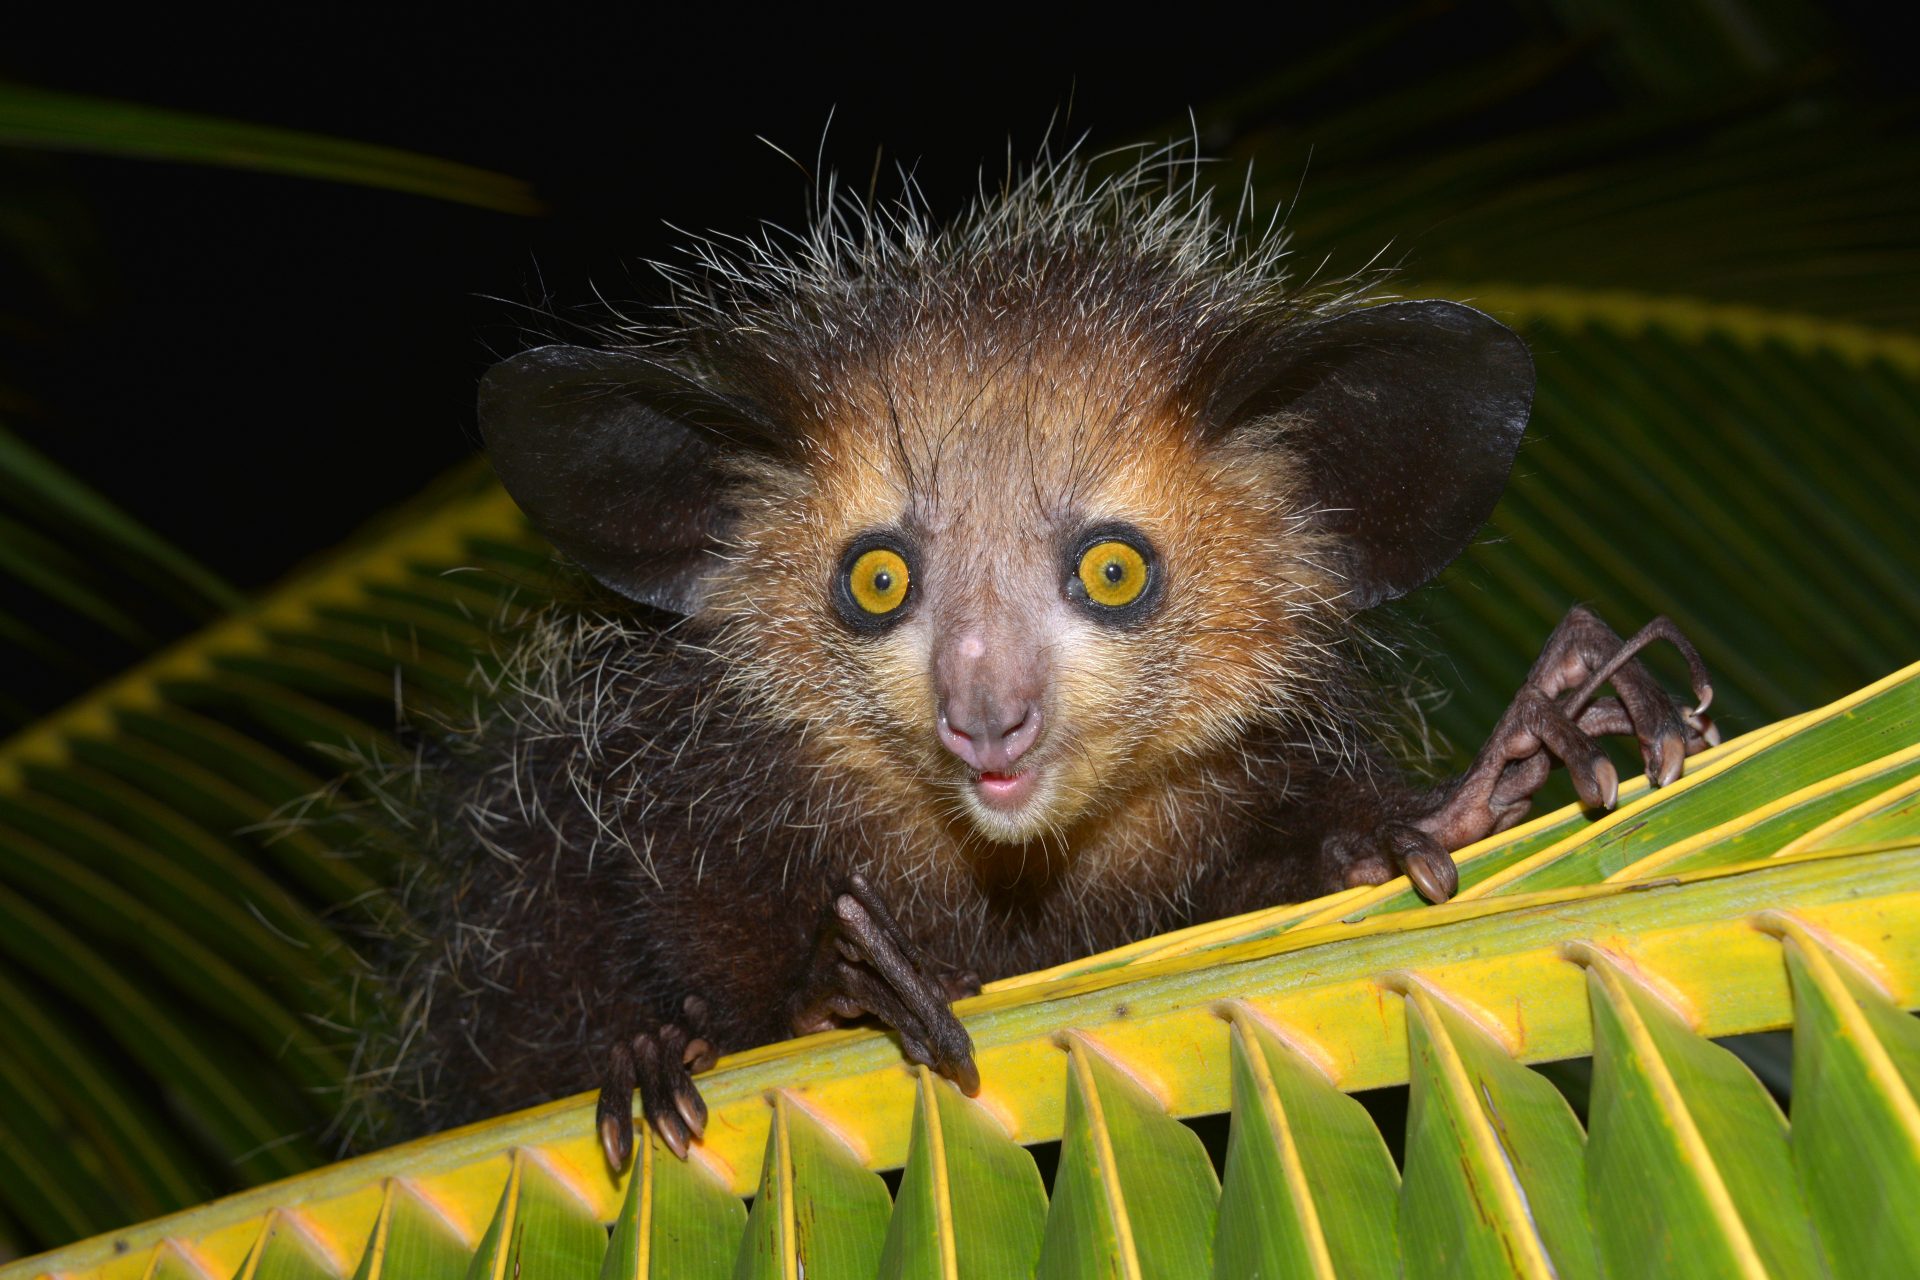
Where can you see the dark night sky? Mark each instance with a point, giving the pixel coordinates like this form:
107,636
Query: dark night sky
261,363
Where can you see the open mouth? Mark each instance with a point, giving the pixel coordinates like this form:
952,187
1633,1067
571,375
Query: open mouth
1005,792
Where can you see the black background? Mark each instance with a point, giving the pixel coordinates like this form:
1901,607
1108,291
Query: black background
254,364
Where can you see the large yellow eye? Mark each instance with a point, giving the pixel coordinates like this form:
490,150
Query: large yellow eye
878,581
1113,573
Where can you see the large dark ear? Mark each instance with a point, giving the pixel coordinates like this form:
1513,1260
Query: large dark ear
615,459
1407,417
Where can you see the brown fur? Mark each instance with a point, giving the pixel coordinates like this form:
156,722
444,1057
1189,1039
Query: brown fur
661,810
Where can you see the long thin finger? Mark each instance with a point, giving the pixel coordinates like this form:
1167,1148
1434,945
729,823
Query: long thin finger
877,908
1606,718
613,1115
1659,629
1593,775
871,938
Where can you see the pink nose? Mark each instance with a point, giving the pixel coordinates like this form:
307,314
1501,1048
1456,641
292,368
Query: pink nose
989,739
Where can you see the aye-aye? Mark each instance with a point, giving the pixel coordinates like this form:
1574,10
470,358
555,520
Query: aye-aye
986,596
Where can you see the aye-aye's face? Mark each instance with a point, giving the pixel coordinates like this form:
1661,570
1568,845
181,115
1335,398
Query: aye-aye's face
1019,595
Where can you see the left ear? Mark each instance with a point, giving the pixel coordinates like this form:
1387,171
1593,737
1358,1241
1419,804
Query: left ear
620,461
1407,417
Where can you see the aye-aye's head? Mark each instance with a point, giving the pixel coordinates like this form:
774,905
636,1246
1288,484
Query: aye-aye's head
1021,517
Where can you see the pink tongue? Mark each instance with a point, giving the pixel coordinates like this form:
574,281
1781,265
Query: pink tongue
996,777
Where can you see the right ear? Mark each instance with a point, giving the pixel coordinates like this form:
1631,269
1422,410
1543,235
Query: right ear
616,460
1406,418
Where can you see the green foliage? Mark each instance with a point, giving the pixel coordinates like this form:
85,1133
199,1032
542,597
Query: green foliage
412,1239
540,1229
1135,1194
1307,1175
45,120
672,1211
1493,1174
1856,1075
819,1210
970,1201
1690,1170
1675,1160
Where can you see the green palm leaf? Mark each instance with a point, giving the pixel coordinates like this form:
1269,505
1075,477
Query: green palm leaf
46,120
1681,1160
160,897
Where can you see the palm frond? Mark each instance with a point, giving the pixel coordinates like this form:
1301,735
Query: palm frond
177,909
47,120
1772,887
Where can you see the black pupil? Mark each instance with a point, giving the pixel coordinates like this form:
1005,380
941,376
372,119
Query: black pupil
882,582
1114,572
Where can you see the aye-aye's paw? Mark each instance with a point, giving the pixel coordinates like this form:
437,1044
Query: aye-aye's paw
1557,718
1391,849
864,964
661,1063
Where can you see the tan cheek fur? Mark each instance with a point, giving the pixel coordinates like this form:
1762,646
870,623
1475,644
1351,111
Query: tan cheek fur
854,698
1232,638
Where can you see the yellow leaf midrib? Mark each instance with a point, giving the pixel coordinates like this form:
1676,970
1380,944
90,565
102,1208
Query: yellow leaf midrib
1866,1043
1699,1160
1107,1164
1526,1250
1280,1128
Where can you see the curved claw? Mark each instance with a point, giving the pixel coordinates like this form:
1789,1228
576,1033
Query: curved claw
1703,728
952,1055
1606,782
1427,866
1666,760
660,1064
1558,717
615,1123
673,1132
613,1114
1395,849
692,1110
963,1074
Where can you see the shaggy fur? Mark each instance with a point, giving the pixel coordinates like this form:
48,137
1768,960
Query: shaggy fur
662,807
